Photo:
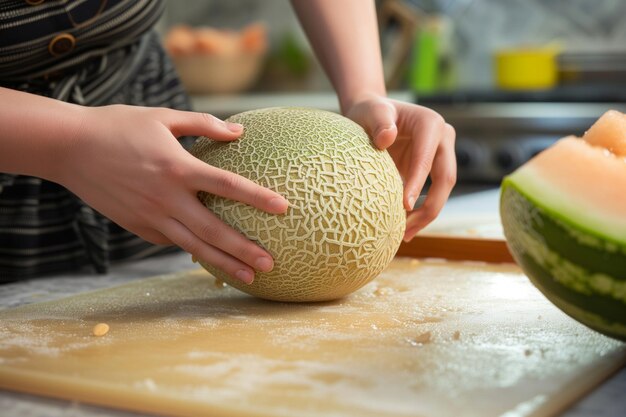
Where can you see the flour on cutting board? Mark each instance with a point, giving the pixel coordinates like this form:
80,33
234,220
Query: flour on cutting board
425,338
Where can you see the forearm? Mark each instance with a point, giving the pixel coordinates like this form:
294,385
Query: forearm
34,131
344,35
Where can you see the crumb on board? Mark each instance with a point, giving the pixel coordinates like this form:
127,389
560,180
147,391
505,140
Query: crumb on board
424,337
100,329
382,291
414,262
456,335
421,339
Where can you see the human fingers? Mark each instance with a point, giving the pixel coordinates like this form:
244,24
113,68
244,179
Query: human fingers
204,177
426,132
443,176
212,230
152,236
379,120
377,116
182,123
188,241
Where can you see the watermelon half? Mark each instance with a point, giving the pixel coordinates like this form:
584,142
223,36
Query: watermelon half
564,218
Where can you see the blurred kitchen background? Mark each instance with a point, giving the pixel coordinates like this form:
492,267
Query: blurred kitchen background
511,76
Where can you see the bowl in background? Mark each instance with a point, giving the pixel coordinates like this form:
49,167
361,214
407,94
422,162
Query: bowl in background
217,61
218,74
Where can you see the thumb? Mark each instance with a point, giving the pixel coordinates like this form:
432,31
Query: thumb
378,119
183,123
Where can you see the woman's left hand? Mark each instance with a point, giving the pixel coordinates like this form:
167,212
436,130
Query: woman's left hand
420,143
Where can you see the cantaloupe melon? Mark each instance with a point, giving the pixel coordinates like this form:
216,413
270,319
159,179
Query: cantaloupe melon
346,219
609,132
564,218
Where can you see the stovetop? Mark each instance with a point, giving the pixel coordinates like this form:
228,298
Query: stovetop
573,93
499,131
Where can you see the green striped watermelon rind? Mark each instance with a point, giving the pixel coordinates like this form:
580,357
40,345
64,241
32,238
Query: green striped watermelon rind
581,273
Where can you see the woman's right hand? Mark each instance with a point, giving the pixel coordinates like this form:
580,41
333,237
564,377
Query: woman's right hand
125,162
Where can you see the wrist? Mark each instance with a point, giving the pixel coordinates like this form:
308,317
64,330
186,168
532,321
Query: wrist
72,128
35,133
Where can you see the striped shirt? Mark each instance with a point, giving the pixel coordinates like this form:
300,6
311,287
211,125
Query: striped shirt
115,58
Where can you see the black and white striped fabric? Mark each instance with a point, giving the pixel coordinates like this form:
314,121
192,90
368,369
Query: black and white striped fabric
44,228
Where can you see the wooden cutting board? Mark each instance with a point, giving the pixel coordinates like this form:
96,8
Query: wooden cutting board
425,338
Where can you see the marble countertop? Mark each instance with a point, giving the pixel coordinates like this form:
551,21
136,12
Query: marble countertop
607,400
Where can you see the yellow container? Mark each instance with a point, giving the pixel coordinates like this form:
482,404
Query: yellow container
526,68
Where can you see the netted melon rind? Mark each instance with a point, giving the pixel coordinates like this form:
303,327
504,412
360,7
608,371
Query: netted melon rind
346,218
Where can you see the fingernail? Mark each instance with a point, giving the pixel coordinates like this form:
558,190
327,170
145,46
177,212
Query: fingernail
234,127
278,204
412,199
264,264
382,130
245,276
